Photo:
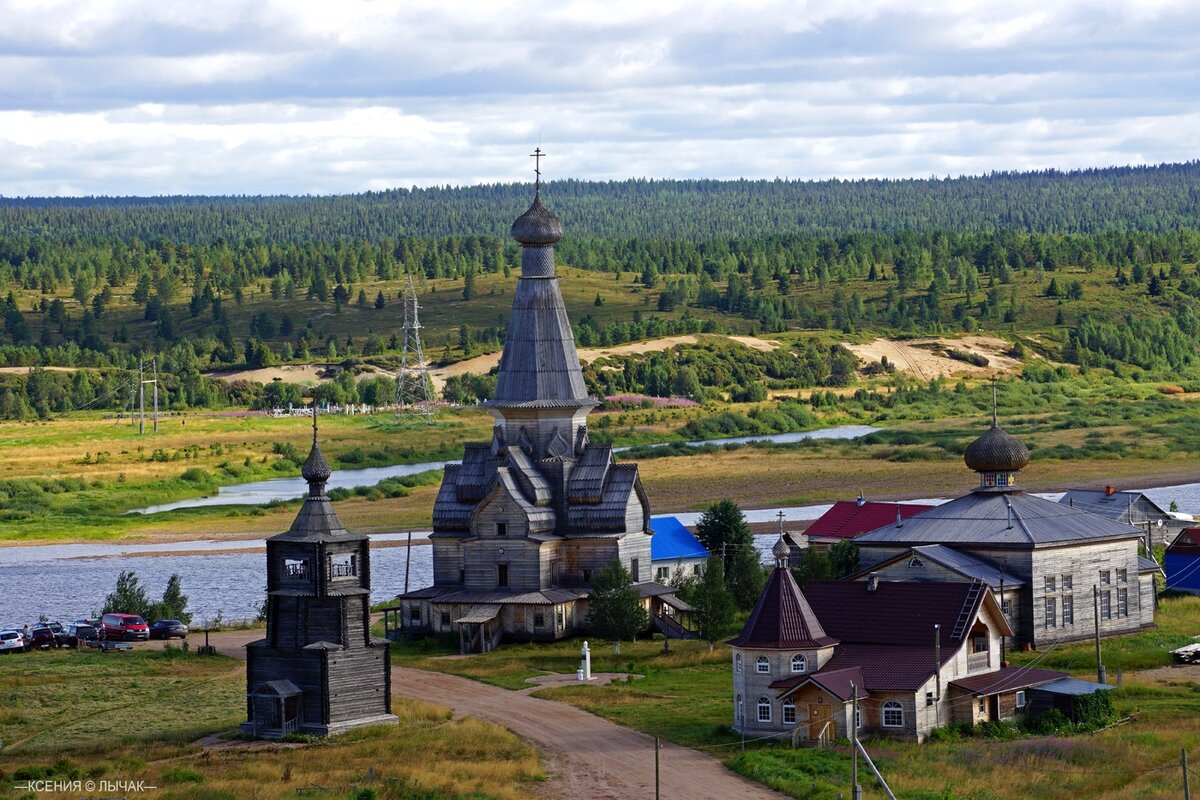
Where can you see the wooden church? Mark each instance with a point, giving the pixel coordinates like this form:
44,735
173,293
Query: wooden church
319,670
524,524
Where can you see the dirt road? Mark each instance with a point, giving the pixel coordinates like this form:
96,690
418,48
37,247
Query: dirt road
589,758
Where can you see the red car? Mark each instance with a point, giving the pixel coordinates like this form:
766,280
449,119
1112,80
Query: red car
124,627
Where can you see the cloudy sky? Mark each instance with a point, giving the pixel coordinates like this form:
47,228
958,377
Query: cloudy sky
264,97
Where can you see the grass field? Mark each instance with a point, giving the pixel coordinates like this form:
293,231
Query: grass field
138,716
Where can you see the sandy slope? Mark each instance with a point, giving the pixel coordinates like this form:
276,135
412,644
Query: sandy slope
925,357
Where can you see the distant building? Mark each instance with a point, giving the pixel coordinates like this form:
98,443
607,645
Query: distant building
319,670
1056,553
1182,562
850,518
903,648
522,527
1130,507
674,550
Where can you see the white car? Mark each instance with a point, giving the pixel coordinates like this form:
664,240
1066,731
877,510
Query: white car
11,640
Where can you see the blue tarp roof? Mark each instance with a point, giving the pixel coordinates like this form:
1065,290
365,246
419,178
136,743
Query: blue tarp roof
671,541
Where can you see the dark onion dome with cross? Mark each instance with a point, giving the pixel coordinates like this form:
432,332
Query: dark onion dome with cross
537,227
997,456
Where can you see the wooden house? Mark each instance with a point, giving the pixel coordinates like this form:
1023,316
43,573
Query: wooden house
805,659
674,550
1182,562
319,670
1054,557
525,523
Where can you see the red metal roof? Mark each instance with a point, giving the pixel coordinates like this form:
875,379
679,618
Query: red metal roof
1186,543
782,618
848,519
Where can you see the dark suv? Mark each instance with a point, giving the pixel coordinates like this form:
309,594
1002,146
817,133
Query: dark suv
45,635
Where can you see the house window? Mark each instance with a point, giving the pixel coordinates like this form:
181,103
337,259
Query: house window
982,705
762,665
695,569
633,570
502,529
1050,583
1122,576
1006,607
414,613
1051,612
1122,602
662,574
539,620
799,663
737,662
1067,583
789,712
1068,610
764,709
587,576
893,714
1021,698
445,619
1106,605
1105,577
502,575
915,563
929,698
858,717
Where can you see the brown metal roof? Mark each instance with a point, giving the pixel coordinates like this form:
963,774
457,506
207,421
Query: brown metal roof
1007,679
782,619
840,683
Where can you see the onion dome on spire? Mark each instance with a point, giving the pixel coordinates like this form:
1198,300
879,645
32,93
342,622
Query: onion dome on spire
316,469
537,227
996,451
781,551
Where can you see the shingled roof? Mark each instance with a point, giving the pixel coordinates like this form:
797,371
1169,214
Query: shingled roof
782,619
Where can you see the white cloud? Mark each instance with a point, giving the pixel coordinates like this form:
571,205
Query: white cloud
285,96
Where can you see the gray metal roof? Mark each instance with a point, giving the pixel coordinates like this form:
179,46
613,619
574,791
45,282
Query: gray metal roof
964,564
1072,686
544,597
984,518
1116,506
587,478
609,513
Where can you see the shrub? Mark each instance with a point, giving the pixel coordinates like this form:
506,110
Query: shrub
182,775
196,475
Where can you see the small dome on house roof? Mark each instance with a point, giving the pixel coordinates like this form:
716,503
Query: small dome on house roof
537,227
996,451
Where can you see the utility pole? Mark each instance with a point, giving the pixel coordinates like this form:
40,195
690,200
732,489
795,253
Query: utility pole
155,362
407,557
937,674
1187,789
141,398
1002,636
1096,612
855,789
656,782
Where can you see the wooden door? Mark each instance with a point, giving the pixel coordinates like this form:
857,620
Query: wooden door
818,715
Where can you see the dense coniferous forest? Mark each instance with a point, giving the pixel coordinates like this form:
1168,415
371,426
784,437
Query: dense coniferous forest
1098,267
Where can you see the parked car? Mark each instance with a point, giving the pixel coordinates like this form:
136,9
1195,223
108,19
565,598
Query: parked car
48,634
81,633
11,642
168,628
124,627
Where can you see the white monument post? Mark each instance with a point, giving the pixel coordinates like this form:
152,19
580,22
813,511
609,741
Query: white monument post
584,673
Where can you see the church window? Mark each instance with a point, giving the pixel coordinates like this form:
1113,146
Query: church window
799,663
1122,575
989,479
343,566
741,712
893,714
1068,610
762,665
502,529
1068,583
295,568
737,662
915,563
764,709
789,712
1050,583
633,570
1106,605
1105,577
1002,479
1051,612
502,576
1122,602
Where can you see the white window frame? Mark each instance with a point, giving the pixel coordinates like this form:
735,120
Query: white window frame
1068,610
1050,615
737,662
1105,577
858,717
1122,576
788,710
762,665
764,704
890,709
1051,583
1068,583
1020,698
1122,602
916,563
741,711
1106,605
799,663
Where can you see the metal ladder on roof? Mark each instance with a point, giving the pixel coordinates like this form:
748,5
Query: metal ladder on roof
964,616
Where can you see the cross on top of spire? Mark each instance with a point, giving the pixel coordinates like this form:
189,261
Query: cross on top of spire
537,155
314,416
994,417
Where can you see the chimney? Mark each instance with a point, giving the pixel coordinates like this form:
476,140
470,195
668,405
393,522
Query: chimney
899,519
1109,491
861,501
1010,510
872,581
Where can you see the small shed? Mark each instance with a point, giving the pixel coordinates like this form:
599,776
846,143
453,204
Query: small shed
1078,700
673,549
1182,562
